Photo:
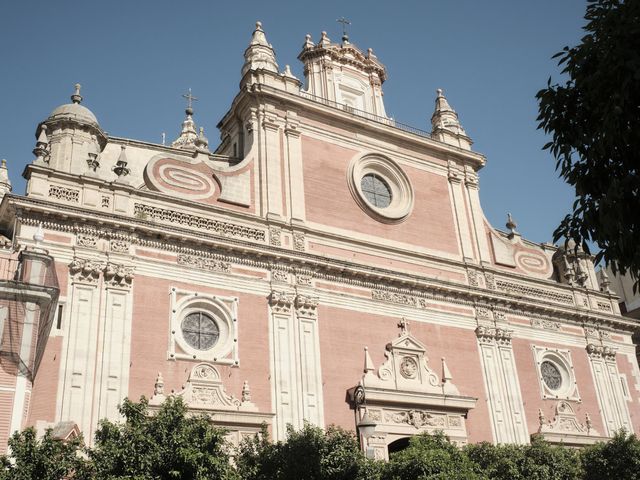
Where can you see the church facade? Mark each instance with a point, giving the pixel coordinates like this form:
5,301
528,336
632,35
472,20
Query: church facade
324,263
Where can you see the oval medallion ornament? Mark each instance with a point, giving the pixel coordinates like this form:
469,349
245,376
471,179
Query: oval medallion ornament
408,367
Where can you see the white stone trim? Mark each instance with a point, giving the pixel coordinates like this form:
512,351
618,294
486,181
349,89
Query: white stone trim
561,359
402,196
224,310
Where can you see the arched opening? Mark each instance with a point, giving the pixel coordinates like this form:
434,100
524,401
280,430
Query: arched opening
398,445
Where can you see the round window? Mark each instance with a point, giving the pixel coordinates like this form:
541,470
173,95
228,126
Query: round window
200,331
376,190
551,375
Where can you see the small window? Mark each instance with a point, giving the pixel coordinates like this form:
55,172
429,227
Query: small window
376,190
200,331
59,317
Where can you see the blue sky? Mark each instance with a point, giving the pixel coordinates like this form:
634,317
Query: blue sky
135,59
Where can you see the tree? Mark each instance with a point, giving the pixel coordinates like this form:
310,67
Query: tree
431,457
537,461
310,454
594,122
161,446
618,458
46,459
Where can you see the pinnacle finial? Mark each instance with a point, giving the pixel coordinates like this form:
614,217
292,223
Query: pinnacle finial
76,97
511,225
258,25
440,92
403,325
190,98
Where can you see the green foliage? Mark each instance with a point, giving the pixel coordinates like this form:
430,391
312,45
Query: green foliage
44,459
538,461
170,444
310,454
619,458
594,122
162,446
430,457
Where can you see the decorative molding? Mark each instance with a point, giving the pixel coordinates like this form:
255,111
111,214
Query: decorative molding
559,365
490,335
306,305
64,193
204,263
119,246
85,270
545,324
600,351
304,279
529,291
118,276
88,241
275,236
490,281
279,275
281,302
223,228
299,241
565,427
473,279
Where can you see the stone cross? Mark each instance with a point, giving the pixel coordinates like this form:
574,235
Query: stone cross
190,98
344,23
403,325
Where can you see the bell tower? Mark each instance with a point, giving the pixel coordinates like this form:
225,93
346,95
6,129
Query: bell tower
342,73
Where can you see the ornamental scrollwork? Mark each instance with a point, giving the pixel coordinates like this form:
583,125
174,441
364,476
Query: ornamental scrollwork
118,276
85,270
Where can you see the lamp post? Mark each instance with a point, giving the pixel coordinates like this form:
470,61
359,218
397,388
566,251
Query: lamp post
366,427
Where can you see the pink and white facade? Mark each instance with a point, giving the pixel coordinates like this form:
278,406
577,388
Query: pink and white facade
323,262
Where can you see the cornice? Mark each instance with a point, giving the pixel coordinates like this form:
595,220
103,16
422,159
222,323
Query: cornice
263,255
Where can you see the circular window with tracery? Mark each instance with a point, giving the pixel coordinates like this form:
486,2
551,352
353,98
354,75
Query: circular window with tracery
380,187
200,331
551,375
376,190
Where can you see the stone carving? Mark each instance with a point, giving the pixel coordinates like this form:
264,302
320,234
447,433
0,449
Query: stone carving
408,367
216,226
490,281
527,291
118,276
84,270
280,276
473,278
488,335
303,279
64,193
570,261
120,246
498,315
105,202
204,263
275,236
392,297
483,312
281,302
417,418
565,421
600,351
306,305
298,241
88,241
544,323
605,306
204,390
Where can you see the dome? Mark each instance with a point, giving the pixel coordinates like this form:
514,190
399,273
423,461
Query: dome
74,111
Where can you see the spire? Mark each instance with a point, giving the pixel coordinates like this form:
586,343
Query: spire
5,183
187,138
444,117
259,55
448,388
511,225
444,123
